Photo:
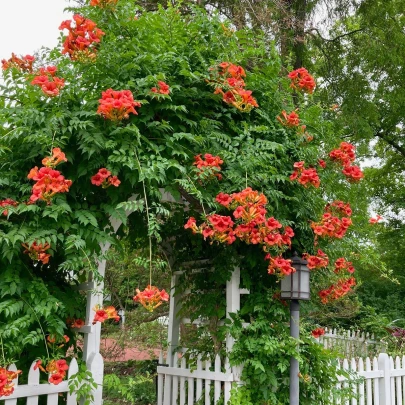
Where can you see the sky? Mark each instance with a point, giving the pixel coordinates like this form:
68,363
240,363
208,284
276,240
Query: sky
26,25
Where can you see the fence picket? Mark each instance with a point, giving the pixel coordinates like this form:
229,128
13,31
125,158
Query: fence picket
33,379
175,381
198,390
183,383
52,399
398,381
73,369
227,385
361,385
207,384
369,384
376,386
403,380
392,381
217,384
338,389
353,368
345,383
190,390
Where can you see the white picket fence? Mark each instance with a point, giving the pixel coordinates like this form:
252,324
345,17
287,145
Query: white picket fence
186,383
351,343
383,381
33,388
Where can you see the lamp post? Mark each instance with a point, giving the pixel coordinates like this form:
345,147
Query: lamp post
295,287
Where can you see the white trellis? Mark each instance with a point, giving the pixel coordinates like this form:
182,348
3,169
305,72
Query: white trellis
177,382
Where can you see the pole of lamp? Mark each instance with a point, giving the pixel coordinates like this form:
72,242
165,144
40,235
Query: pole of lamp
294,367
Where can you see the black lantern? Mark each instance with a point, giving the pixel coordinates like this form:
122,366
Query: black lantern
296,285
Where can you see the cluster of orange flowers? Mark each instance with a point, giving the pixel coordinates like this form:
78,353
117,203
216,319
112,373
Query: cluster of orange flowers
162,88
342,264
305,176
102,314
37,251
318,332
103,3
317,261
151,297
302,80
81,42
8,202
229,83
117,105
48,180
56,370
251,226
336,291
104,179
345,155
289,120
75,323
48,82
24,63
6,381
335,221
209,166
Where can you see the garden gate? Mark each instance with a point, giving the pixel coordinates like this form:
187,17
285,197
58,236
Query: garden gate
177,382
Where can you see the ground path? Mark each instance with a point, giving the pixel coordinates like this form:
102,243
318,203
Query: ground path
113,351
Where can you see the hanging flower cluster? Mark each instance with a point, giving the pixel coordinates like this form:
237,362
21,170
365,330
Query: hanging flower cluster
251,226
317,261
117,105
338,290
102,314
6,381
162,88
48,180
104,179
302,80
103,3
75,323
375,220
209,166
318,332
335,221
37,251
302,131
24,63
278,265
81,42
289,120
345,155
8,202
48,82
304,176
228,81
342,264
151,297
56,370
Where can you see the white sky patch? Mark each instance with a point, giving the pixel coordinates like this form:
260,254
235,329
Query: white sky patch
27,25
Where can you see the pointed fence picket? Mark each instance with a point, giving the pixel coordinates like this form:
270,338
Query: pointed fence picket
33,389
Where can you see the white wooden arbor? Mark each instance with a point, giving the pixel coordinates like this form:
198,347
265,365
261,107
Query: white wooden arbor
91,348
177,383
